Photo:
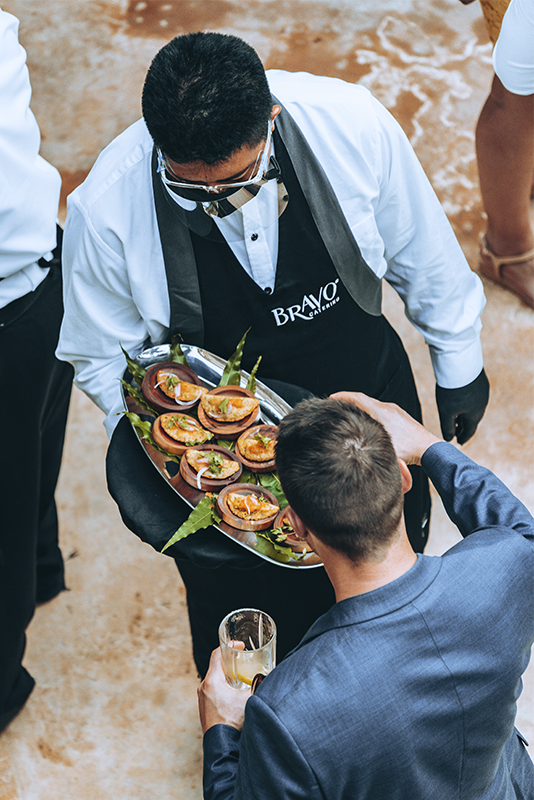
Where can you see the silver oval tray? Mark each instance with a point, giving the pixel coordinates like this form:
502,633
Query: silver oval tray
209,369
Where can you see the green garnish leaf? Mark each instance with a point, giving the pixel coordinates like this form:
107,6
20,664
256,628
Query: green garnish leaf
223,405
178,422
229,445
215,461
247,477
202,516
280,533
171,381
232,372
264,440
251,383
138,397
278,552
177,354
144,429
271,481
138,373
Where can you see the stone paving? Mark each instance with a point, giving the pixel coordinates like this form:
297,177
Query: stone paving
114,711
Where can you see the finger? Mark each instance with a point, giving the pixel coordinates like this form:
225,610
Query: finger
367,404
466,428
448,426
236,645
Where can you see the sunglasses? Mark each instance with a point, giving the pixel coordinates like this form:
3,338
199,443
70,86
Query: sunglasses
258,172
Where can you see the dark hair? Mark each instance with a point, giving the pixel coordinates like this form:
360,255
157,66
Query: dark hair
340,473
205,96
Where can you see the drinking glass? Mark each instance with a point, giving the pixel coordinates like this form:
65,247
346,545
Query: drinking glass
248,646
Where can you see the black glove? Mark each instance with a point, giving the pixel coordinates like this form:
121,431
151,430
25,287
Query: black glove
460,410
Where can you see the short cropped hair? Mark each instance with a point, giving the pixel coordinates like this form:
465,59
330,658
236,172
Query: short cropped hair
205,96
340,473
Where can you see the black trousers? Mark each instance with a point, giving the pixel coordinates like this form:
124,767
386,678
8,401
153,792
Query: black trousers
33,403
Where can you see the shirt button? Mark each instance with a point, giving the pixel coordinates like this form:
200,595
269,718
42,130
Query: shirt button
267,290
254,237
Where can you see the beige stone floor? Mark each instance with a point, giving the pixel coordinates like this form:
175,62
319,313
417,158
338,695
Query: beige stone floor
114,711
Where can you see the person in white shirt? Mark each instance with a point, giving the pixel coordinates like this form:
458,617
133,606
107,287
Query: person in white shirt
505,154
36,386
275,202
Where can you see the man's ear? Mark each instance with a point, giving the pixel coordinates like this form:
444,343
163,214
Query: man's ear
275,111
406,476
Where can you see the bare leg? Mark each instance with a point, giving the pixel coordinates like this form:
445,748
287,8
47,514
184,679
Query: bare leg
505,152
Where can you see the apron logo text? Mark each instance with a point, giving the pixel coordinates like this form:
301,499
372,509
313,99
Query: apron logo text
310,306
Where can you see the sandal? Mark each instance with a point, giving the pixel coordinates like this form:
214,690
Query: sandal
490,265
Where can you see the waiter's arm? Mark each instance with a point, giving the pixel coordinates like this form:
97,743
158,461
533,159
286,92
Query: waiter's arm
443,298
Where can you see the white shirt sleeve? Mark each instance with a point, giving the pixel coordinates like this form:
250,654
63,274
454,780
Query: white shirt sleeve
114,285
443,297
513,55
29,186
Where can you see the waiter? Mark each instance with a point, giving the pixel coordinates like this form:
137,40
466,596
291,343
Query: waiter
36,386
277,203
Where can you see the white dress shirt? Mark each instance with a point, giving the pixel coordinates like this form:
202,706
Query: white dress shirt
251,233
115,284
29,186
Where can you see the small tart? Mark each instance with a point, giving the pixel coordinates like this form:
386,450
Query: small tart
180,391
200,459
250,506
161,382
185,429
223,402
228,408
255,446
247,506
198,472
176,432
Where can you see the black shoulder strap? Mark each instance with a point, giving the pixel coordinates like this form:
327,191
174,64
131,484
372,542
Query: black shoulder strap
362,284
180,266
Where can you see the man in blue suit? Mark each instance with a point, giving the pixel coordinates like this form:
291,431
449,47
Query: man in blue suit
406,689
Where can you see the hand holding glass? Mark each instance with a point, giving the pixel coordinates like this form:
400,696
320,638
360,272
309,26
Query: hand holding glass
248,646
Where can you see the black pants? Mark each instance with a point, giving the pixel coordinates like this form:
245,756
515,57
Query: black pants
33,404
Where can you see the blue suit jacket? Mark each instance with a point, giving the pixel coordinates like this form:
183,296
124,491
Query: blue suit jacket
407,692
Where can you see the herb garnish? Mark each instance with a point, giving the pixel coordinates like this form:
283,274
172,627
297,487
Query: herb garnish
179,422
215,461
223,405
171,381
264,440
281,533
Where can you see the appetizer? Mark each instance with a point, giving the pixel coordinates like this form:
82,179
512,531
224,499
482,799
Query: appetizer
211,464
168,386
176,432
250,506
184,429
182,392
228,408
255,446
210,468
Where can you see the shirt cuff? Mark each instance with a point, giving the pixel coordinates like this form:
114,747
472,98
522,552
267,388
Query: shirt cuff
454,370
